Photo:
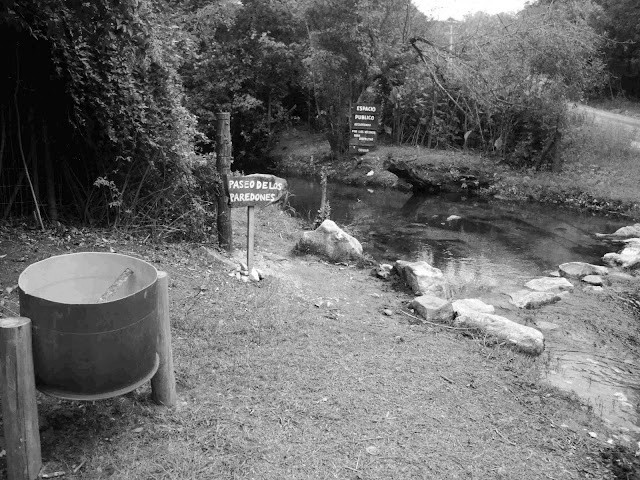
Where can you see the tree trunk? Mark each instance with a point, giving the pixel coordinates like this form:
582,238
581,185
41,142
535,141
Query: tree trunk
223,165
3,137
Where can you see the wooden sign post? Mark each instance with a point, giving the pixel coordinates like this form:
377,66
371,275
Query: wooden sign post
257,190
223,165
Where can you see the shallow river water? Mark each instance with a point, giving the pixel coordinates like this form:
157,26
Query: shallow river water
487,249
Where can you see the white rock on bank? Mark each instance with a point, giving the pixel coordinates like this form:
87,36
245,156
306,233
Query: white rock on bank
593,288
542,325
622,233
595,280
532,299
330,240
628,258
254,275
422,278
549,284
632,242
433,309
383,271
473,305
521,337
581,269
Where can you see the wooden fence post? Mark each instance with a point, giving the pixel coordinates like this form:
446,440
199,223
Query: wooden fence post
18,394
163,383
223,165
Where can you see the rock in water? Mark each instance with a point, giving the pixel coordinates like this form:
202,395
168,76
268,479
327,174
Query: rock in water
580,269
622,233
422,278
521,337
549,284
433,309
529,299
331,241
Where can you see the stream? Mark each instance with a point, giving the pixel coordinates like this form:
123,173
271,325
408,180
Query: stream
487,249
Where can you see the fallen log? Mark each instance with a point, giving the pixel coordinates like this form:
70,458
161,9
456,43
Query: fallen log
418,180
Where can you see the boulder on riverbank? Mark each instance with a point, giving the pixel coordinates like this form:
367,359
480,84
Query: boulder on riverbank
581,269
529,299
595,280
521,337
423,278
622,233
549,284
628,258
331,241
432,308
472,304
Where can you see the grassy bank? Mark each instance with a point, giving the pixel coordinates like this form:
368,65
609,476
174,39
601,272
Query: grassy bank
304,376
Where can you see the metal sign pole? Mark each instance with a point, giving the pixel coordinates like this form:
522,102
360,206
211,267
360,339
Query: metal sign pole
251,228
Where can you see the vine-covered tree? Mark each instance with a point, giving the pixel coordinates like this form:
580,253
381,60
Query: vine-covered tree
92,109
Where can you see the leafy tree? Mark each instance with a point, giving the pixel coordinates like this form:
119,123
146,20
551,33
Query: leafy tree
510,76
247,61
619,20
358,52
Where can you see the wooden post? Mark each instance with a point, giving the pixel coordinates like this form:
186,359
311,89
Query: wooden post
251,230
323,185
18,395
223,165
163,383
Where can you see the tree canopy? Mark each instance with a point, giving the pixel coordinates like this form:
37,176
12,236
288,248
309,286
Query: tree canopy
111,106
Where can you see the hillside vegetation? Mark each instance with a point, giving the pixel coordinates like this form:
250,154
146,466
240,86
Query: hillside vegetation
108,111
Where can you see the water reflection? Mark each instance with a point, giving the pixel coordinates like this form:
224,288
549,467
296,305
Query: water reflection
488,249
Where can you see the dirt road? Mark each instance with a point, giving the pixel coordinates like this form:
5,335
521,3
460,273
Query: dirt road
606,117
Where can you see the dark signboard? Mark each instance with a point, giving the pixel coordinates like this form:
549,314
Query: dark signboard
365,117
255,190
364,121
361,149
364,137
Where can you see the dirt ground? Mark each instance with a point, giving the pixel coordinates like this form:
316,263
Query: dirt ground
314,372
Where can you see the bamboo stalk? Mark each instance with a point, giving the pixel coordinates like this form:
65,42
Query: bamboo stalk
24,160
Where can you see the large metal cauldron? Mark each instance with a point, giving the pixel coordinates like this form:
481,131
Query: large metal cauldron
82,349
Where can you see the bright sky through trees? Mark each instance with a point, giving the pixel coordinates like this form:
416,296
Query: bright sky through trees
443,9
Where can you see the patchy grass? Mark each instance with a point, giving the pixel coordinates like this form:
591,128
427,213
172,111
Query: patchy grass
302,376
600,173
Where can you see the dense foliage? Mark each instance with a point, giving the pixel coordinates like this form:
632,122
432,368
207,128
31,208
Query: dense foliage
505,83
619,20
119,135
122,96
